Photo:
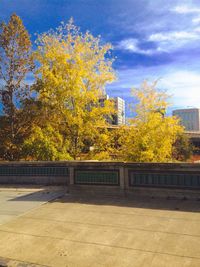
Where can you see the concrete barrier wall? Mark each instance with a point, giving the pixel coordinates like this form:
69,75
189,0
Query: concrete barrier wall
105,176
136,179
34,173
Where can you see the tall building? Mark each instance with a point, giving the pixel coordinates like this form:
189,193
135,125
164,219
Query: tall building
189,118
119,117
119,104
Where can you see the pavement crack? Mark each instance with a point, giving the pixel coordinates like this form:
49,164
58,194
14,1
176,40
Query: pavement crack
103,245
121,227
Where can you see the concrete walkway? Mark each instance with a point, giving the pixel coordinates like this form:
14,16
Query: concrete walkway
15,201
78,231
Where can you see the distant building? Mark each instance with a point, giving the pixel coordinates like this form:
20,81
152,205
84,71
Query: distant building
189,118
119,117
103,98
119,104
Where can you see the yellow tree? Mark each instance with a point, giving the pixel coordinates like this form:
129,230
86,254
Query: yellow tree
152,134
108,144
73,71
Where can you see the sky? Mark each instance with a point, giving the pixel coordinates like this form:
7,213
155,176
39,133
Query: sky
152,39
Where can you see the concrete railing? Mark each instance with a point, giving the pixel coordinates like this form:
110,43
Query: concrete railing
104,176
34,173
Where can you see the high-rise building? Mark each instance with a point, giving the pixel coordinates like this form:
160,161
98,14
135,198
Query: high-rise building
189,118
119,104
119,117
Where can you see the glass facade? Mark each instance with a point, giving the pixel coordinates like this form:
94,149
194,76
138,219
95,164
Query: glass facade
189,118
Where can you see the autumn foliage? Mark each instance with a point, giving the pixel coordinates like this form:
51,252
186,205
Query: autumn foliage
15,64
58,115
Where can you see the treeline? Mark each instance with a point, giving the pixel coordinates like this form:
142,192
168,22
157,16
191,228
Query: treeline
50,108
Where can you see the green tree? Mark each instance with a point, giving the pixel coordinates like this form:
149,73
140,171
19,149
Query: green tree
182,148
46,144
151,134
73,71
15,63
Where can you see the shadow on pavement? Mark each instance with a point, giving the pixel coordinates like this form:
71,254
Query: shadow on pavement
134,202
58,194
45,194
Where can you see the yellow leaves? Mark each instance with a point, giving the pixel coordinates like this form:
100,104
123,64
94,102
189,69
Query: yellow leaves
149,100
46,144
73,70
152,135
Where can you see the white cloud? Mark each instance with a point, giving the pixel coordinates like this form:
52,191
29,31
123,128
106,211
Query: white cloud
171,41
165,41
185,9
128,44
171,36
197,29
196,20
132,45
171,27
188,10
182,85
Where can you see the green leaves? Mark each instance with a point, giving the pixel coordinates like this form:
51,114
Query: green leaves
46,144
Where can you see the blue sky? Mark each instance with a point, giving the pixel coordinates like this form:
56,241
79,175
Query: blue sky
152,39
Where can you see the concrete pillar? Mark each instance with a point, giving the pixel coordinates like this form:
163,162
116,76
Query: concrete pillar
71,175
126,178
121,177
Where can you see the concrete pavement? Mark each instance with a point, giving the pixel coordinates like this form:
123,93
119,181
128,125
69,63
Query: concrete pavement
119,232
15,201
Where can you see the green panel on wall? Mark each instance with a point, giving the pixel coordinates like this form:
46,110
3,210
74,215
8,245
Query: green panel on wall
164,179
100,177
33,171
